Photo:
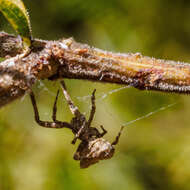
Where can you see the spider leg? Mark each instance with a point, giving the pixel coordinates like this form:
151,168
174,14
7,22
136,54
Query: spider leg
74,109
104,131
55,108
46,124
117,137
93,109
78,133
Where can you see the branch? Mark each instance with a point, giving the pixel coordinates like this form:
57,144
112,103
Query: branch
68,59
10,45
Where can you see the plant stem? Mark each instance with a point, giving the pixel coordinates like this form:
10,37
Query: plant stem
68,59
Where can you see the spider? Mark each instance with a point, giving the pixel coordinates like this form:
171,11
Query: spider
93,147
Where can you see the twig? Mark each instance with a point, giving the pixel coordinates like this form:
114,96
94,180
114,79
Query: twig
68,59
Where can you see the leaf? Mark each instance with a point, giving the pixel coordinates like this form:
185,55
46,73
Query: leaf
2,59
17,15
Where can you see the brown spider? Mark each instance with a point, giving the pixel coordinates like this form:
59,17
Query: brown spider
92,147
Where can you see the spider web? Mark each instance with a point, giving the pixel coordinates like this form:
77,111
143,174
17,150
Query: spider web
149,114
103,95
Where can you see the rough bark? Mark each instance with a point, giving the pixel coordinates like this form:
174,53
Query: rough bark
68,59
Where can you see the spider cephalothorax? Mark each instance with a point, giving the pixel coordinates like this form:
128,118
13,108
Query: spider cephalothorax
92,147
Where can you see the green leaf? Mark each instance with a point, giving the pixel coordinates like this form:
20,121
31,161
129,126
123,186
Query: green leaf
2,59
17,15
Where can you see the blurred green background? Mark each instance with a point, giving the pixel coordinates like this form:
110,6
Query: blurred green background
153,153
